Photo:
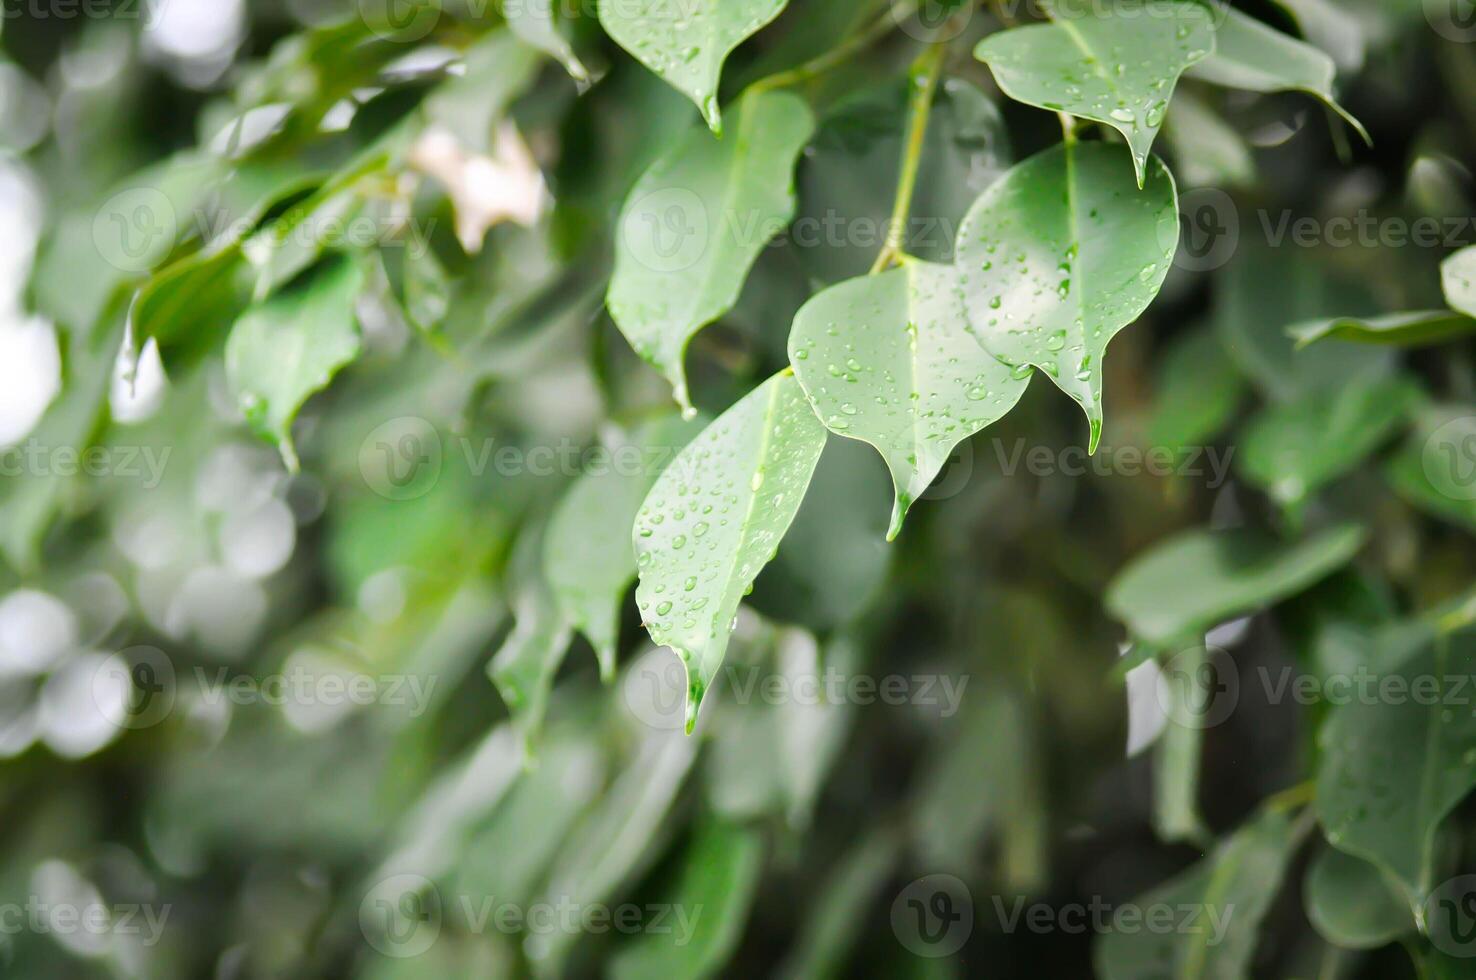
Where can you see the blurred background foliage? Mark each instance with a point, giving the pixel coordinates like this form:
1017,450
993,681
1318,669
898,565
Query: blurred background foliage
268,829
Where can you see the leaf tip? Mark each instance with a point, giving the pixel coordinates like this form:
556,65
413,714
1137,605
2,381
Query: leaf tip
900,504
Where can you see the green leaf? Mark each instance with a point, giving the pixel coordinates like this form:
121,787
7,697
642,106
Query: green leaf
1208,151
1249,55
587,554
1293,448
687,41
1433,470
1230,891
615,839
283,350
1458,279
1188,583
716,516
191,303
1177,754
1060,254
720,872
524,666
837,916
1113,64
890,360
1392,768
1415,329
695,223
536,23
1350,904
1198,391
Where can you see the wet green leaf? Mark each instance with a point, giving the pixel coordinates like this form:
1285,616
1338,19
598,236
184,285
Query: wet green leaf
1116,64
687,41
1229,892
1392,767
890,360
283,350
715,518
694,224
1190,582
1249,55
1060,254
720,872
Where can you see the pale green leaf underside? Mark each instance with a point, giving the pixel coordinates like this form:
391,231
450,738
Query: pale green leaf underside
1392,769
1413,329
1228,893
1114,64
889,359
1249,55
283,350
720,874
587,553
715,518
687,41
1458,278
695,223
1194,580
1060,254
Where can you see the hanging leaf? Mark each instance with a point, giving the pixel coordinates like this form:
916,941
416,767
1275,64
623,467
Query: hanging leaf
716,516
687,41
890,360
1417,329
1060,254
536,23
696,221
720,873
283,350
1230,892
1249,55
1116,64
1350,903
1296,447
1458,279
524,666
1392,768
1197,579
588,556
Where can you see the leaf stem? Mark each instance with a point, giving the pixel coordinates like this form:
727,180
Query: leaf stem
879,28
923,77
1293,796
